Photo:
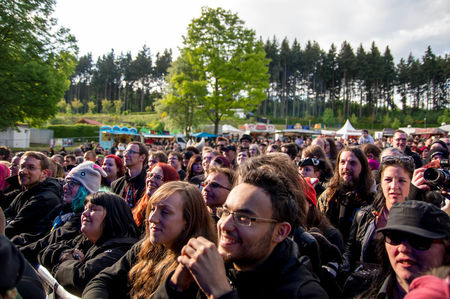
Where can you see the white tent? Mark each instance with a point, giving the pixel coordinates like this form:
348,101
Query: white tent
231,129
348,130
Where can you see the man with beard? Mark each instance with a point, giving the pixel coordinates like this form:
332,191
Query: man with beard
41,194
254,224
349,189
132,184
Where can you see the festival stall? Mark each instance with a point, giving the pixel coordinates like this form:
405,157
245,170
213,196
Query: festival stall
109,135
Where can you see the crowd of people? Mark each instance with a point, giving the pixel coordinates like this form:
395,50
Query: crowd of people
246,218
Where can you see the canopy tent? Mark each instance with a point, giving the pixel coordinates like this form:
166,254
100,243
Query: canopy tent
230,129
348,130
203,135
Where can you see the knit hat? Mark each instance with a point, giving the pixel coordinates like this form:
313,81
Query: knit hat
310,192
87,174
428,286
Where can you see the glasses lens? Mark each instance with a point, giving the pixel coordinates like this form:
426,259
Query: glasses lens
415,242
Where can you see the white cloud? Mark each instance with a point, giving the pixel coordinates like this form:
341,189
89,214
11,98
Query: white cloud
403,25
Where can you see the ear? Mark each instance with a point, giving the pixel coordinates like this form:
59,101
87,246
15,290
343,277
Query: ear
281,232
46,173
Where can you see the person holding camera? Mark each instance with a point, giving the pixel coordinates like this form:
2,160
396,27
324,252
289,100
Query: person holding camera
431,183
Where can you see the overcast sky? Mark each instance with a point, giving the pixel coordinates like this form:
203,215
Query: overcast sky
125,26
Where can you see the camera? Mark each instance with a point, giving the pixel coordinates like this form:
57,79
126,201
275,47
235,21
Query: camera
438,177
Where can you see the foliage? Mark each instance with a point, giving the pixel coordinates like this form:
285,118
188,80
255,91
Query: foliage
107,106
118,105
76,105
180,108
91,106
66,131
445,117
231,60
37,59
61,105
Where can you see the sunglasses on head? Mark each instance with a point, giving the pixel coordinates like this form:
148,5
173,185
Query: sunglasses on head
416,242
391,159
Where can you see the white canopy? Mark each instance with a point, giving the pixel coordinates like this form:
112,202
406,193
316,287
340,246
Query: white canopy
231,129
348,130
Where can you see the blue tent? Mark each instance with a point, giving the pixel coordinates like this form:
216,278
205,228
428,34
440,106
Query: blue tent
204,135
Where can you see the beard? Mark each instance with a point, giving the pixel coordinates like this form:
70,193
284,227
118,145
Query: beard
348,185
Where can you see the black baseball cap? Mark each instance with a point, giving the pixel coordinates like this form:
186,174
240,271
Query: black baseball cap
418,218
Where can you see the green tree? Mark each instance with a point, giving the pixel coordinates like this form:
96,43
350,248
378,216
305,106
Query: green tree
118,105
76,105
180,108
232,60
107,106
328,117
62,105
91,106
37,59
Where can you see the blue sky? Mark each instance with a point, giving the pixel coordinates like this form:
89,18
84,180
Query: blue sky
405,25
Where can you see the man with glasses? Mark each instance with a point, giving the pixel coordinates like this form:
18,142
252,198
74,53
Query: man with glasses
132,185
399,141
216,188
175,159
254,224
39,196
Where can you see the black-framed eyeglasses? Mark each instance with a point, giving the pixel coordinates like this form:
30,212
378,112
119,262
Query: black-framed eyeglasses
416,242
71,184
215,185
131,152
240,218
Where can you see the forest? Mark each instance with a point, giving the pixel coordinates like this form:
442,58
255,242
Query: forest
307,83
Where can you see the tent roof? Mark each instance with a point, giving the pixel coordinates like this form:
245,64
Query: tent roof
204,135
231,129
348,130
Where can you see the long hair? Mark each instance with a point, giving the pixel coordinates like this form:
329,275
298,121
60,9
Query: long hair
119,164
154,261
365,177
380,201
189,169
118,221
170,174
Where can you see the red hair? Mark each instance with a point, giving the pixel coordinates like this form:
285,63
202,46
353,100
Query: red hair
119,163
170,174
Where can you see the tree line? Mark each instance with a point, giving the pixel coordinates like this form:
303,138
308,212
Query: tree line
303,81
117,83
306,81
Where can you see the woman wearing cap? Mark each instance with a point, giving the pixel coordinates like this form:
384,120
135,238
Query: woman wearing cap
360,250
159,174
176,213
107,232
81,181
114,169
415,239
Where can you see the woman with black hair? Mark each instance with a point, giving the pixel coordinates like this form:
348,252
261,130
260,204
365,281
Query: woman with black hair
107,232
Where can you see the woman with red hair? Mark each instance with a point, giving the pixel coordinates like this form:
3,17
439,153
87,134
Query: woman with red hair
114,168
159,174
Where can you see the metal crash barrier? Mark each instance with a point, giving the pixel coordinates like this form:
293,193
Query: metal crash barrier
51,285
